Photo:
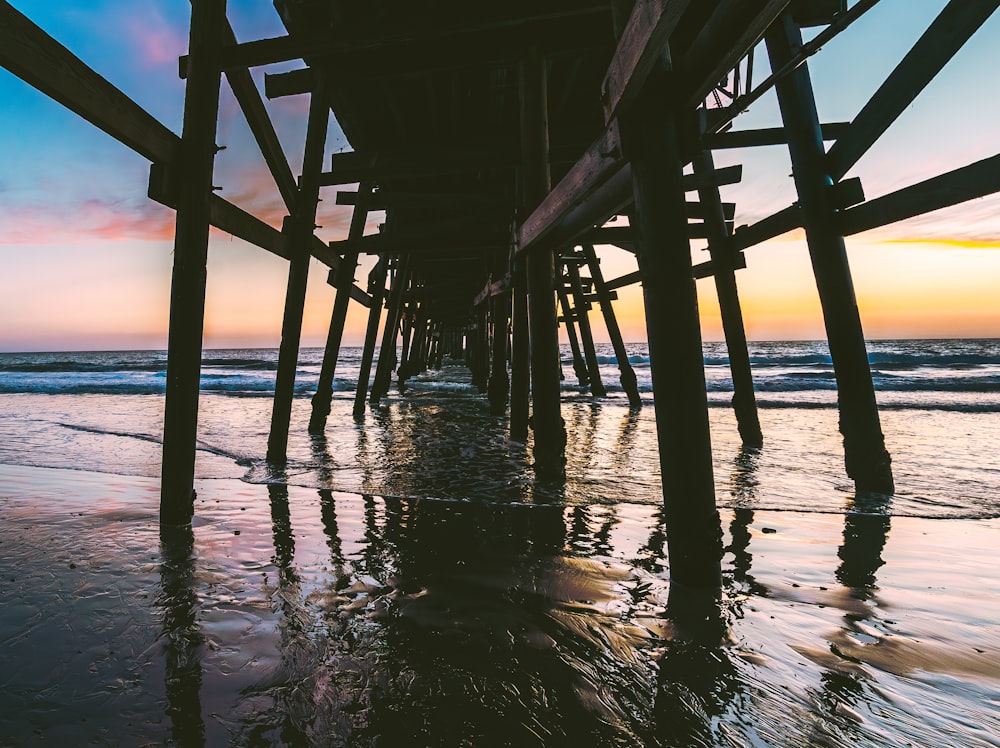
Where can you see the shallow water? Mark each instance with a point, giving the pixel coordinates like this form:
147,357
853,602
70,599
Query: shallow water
294,616
407,581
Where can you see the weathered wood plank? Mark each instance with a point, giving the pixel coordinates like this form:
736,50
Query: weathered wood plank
950,30
783,221
601,161
640,48
975,180
765,136
358,166
291,83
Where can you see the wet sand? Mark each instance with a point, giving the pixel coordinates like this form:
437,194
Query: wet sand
292,616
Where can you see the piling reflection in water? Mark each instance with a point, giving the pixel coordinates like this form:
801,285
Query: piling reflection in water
181,636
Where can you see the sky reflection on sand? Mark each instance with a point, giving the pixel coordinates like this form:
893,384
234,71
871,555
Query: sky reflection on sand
297,616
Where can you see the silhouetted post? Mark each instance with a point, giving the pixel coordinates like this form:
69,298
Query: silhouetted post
627,376
387,354
376,288
300,226
694,532
499,381
187,286
586,334
481,371
867,461
549,428
579,365
344,282
406,365
520,355
720,249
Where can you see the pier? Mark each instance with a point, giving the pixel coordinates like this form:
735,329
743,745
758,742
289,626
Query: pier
504,142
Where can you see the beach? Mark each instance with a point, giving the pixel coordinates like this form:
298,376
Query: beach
410,582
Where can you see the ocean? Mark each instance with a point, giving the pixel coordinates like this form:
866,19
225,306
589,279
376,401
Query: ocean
408,581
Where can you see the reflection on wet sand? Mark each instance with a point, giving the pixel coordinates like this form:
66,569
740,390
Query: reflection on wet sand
182,638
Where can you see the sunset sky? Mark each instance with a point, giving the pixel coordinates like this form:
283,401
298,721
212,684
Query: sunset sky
85,257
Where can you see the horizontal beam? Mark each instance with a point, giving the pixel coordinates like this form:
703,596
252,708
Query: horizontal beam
357,166
944,37
385,199
701,270
715,178
388,36
292,83
493,289
968,183
600,163
779,223
765,136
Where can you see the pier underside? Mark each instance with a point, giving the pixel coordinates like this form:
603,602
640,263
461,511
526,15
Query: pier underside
501,140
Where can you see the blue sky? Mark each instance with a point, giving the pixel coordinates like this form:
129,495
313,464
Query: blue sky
85,256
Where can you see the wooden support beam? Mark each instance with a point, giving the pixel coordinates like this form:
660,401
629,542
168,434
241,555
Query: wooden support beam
389,35
248,97
39,60
357,166
776,224
387,353
604,296
765,136
950,30
300,235
499,308
675,349
586,333
641,48
343,282
43,63
569,318
867,460
719,247
549,428
968,183
601,162
384,199
705,64
494,288
292,83
376,287
187,287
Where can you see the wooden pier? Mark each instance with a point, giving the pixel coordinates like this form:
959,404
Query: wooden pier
500,139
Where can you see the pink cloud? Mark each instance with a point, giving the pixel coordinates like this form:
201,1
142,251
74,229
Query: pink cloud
155,41
89,220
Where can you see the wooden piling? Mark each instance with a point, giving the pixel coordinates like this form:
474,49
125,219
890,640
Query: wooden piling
344,282
300,230
627,374
387,353
720,249
499,381
549,428
187,288
694,534
569,317
867,460
376,287
520,357
586,334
